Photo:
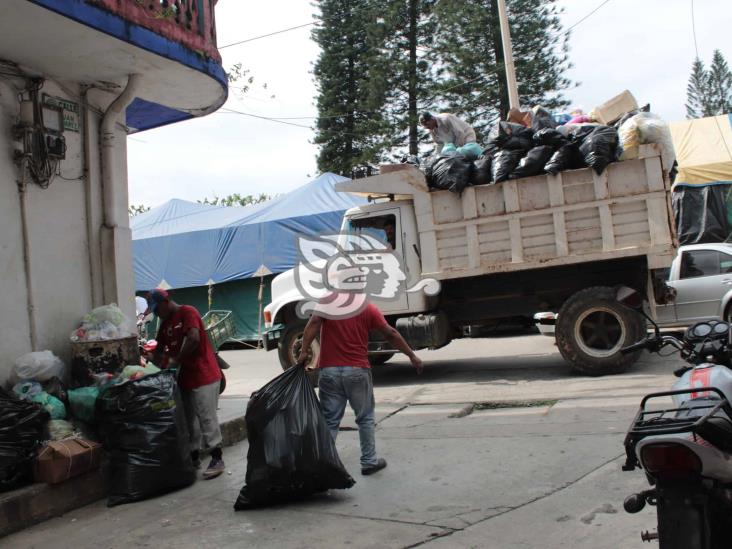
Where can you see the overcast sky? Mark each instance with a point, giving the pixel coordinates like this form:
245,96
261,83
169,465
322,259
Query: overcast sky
646,46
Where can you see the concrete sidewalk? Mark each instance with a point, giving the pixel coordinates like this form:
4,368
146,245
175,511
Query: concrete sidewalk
540,477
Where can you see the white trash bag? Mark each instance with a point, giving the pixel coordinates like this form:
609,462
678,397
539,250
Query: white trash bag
39,366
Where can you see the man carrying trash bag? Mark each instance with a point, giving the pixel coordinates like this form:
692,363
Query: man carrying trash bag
345,372
183,344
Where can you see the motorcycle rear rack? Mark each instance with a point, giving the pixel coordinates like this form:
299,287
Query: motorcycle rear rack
661,422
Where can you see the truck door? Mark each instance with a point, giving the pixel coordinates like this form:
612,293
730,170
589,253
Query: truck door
705,277
385,225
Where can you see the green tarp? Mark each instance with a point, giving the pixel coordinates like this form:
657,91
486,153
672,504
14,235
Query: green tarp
239,296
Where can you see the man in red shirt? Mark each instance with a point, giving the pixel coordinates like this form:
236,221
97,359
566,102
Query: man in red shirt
183,344
345,372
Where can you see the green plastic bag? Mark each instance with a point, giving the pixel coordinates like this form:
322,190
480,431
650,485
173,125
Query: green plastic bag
82,402
51,404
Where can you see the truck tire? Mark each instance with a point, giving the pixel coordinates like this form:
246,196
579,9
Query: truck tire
592,328
289,347
381,358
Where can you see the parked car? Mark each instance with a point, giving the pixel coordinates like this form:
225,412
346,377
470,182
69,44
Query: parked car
702,277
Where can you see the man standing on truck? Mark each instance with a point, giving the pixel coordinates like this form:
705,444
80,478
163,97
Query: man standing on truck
345,372
184,344
447,128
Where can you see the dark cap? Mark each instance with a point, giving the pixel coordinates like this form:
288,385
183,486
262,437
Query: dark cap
425,116
156,297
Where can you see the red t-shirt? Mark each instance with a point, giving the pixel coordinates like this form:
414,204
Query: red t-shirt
344,342
200,367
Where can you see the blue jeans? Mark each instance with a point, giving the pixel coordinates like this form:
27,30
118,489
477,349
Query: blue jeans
341,384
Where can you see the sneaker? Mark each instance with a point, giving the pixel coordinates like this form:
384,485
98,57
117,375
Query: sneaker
371,469
214,469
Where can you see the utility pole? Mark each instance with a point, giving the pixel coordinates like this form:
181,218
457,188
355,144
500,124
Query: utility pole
513,97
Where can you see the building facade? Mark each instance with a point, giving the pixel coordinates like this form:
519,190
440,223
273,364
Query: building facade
76,77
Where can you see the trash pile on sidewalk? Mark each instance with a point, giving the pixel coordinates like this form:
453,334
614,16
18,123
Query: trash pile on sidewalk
291,455
536,142
54,422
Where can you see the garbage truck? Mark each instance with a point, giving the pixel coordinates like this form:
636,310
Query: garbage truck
506,251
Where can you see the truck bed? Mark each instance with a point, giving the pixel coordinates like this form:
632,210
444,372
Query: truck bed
573,217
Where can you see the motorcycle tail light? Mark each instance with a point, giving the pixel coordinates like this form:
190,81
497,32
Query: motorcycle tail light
670,459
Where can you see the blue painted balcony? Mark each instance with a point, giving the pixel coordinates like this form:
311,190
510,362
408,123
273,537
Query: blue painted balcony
171,43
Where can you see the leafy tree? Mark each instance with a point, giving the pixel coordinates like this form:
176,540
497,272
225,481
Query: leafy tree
468,55
709,91
136,209
351,91
236,199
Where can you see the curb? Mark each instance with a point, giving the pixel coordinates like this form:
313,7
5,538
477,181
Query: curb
30,505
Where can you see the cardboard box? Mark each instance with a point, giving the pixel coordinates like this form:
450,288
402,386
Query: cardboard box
612,109
61,460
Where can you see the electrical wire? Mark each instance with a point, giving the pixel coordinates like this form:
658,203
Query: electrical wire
693,29
266,35
234,111
588,16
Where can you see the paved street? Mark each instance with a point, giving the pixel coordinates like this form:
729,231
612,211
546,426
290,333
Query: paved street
543,472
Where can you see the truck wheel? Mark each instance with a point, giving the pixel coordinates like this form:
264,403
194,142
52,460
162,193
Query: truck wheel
592,328
381,358
289,346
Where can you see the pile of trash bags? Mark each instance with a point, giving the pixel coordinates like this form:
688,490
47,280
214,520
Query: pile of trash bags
518,150
104,323
37,378
22,425
143,427
291,453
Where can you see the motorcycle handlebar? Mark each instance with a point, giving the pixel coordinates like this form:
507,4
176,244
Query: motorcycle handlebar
653,344
635,347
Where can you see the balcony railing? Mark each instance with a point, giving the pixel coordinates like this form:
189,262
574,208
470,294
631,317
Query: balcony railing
190,22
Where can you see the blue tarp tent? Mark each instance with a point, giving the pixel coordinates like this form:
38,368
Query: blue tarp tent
187,246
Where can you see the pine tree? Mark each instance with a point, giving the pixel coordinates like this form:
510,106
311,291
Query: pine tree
697,92
468,56
720,85
408,32
351,94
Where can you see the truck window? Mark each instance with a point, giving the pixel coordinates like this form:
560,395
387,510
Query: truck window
698,263
382,227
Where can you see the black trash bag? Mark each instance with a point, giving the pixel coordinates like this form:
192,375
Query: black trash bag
550,137
567,157
542,119
600,148
576,133
507,135
22,425
482,171
533,163
504,162
55,387
143,426
291,454
449,173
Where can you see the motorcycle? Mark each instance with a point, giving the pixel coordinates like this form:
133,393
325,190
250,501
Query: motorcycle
685,449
